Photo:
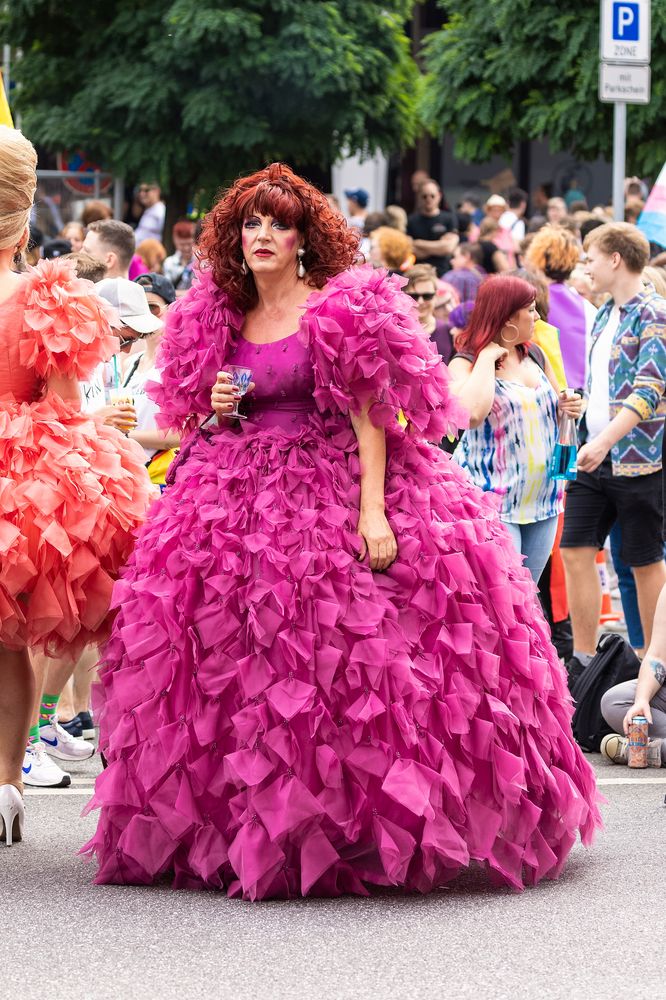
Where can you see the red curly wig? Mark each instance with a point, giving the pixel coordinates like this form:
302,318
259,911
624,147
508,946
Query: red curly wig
330,245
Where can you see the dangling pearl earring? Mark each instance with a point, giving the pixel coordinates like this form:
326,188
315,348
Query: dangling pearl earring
301,266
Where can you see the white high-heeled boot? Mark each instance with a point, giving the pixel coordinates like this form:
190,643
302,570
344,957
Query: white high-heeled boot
12,814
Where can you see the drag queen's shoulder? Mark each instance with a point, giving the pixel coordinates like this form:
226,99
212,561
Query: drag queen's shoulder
64,324
367,344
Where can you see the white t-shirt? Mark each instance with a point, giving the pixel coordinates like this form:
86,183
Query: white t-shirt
509,220
94,392
151,223
598,415
146,410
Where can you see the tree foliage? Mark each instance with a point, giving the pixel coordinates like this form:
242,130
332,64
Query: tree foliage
193,93
506,70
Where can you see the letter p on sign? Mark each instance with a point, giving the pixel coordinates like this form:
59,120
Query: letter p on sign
625,22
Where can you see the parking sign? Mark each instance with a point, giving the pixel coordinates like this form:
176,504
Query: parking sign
625,31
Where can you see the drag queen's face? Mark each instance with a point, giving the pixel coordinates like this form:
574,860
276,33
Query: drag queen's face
269,246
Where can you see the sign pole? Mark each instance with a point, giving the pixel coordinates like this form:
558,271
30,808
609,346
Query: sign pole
619,158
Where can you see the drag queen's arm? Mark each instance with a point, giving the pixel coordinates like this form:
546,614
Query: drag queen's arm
377,540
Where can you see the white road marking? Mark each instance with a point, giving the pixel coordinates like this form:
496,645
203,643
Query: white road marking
631,781
63,792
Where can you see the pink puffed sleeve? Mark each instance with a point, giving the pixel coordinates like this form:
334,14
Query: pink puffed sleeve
368,346
66,330
199,329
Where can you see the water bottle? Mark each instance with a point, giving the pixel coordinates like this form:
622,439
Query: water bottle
563,464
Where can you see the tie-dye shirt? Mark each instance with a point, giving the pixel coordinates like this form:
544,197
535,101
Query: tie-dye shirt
511,451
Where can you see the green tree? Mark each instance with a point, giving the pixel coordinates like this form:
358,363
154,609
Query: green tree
193,93
506,70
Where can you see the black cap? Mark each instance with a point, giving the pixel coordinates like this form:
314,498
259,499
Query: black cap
56,248
158,284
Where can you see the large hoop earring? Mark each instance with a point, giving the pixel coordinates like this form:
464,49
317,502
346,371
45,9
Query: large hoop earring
301,266
514,340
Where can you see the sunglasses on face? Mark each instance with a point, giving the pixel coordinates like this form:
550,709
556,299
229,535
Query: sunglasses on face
417,296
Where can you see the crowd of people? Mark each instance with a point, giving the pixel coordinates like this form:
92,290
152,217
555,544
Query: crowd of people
324,664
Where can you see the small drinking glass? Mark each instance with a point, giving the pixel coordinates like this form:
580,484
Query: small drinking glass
240,378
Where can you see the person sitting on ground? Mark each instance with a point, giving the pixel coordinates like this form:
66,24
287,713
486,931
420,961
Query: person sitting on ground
645,696
391,249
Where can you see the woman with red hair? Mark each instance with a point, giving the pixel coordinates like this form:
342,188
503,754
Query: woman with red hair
328,668
513,397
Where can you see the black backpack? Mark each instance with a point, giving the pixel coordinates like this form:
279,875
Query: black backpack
614,663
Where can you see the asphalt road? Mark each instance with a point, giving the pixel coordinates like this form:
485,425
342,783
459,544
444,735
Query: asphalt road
596,934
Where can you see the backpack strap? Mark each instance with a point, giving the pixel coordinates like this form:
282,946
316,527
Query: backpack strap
537,355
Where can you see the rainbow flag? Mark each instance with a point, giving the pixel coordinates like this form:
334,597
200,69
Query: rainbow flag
5,113
652,220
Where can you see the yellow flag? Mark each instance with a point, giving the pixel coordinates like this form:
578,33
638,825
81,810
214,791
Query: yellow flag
5,113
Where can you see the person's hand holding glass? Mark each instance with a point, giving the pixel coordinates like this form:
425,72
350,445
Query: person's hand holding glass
231,385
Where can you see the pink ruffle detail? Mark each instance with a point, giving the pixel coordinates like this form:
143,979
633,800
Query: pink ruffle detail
365,341
367,344
199,329
72,494
280,721
65,326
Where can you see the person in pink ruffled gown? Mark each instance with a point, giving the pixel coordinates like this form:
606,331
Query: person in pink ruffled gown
72,491
328,670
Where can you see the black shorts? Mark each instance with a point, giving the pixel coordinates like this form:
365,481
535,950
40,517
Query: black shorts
596,500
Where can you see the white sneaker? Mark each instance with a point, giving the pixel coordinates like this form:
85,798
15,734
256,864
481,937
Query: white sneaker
39,771
58,743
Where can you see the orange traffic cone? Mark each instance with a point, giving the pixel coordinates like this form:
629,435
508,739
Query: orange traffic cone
607,614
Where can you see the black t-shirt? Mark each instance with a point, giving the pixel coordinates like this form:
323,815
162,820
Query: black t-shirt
432,227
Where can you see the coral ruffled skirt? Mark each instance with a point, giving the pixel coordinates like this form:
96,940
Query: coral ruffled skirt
280,721
72,494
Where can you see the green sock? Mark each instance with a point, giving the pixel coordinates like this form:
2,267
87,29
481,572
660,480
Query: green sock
33,734
47,708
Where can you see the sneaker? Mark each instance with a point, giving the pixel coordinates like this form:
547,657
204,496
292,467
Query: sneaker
39,771
654,753
614,748
87,725
58,743
73,727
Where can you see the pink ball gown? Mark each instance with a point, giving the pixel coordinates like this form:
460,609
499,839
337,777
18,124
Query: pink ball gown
72,491
278,719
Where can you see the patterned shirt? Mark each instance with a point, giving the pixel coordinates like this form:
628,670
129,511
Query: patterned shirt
511,451
637,380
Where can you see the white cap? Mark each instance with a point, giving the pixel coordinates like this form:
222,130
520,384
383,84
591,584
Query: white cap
131,304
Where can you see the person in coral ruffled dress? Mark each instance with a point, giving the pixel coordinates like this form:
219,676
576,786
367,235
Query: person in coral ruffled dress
72,491
328,669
